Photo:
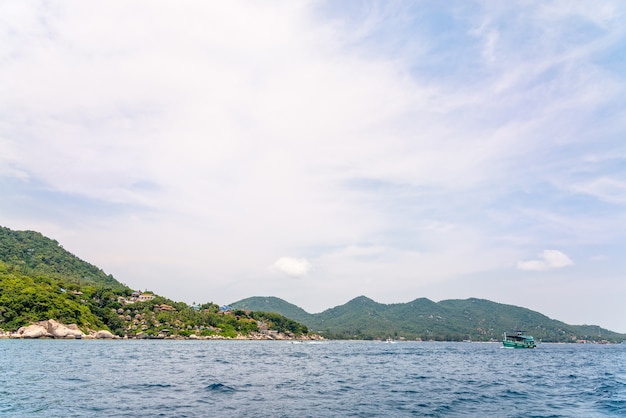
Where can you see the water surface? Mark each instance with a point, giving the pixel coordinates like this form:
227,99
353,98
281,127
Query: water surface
148,378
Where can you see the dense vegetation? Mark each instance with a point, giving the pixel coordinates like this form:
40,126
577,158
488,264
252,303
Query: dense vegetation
278,322
32,254
448,320
274,304
24,299
39,280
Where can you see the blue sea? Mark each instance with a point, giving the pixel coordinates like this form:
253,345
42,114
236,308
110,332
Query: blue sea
168,378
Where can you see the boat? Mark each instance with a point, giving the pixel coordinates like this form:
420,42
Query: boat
518,340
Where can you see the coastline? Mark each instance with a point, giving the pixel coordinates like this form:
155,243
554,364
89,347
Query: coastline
52,329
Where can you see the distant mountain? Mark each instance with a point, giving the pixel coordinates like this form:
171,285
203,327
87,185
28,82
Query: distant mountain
448,320
277,305
34,254
40,280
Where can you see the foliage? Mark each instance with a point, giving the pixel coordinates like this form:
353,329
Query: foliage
25,299
39,280
274,304
280,323
449,320
32,254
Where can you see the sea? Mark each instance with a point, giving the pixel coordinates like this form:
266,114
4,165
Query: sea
174,378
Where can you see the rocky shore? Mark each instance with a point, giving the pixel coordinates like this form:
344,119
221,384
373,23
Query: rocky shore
57,330
54,329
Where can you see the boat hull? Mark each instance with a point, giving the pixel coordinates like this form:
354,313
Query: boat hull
517,344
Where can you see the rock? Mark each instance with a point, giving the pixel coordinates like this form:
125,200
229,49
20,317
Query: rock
103,334
194,337
58,330
49,329
32,331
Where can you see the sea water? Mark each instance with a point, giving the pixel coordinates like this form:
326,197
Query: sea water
167,378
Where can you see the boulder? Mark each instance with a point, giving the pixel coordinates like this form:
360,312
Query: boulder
32,331
103,334
49,329
58,330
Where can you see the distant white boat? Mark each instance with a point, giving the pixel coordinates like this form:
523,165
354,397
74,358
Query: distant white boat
390,341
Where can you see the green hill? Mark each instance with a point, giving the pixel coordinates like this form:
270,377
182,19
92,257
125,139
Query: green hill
448,320
39,280
273,304
31,253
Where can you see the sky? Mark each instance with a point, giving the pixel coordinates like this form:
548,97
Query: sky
317,151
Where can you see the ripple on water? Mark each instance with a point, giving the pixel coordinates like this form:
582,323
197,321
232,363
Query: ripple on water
256,379
220,388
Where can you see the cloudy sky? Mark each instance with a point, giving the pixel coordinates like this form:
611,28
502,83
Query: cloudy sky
317,151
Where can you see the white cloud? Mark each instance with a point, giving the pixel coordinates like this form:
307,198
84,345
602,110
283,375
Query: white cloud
550,259
293,267
605,188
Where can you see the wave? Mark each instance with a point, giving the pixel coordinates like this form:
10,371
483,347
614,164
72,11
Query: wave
220,388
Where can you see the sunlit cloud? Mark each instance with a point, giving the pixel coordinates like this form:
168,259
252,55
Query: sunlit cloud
550,259
293,267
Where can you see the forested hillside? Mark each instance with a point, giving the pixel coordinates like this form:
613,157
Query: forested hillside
33,254
39,280
274,304
448,320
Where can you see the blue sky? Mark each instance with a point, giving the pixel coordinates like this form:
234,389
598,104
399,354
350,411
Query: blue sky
318,151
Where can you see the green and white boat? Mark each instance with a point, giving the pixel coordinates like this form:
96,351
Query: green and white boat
518,340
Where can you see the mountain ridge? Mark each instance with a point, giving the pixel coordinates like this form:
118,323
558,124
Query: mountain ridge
33,253
447,320
39,280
